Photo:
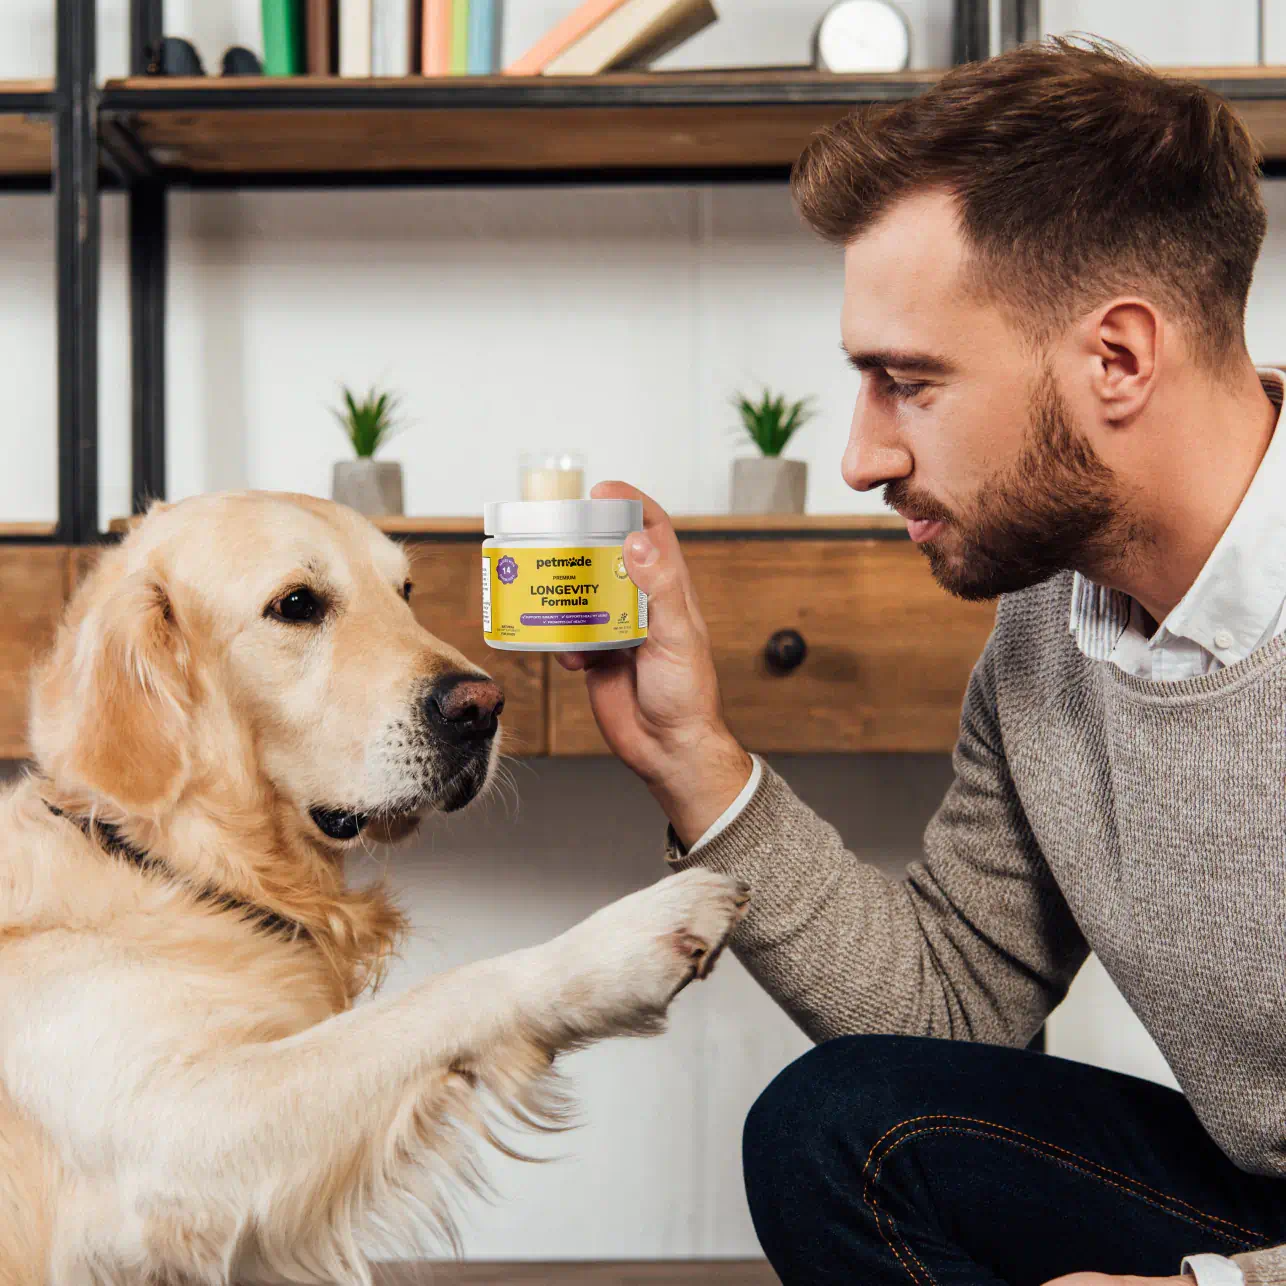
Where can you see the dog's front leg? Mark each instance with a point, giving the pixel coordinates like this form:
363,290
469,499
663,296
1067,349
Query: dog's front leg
296,1157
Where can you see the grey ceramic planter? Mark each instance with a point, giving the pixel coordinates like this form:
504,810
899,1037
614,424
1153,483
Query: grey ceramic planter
769,485
372,487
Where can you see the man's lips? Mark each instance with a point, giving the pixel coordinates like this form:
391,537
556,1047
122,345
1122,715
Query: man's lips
922,529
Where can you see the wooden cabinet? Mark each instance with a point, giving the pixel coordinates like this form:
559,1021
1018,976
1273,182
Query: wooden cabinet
888,653
33,588
447,601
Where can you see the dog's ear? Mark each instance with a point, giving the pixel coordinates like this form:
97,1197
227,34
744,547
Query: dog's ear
112,704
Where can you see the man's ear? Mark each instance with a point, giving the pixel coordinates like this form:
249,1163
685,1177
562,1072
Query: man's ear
1127,338
111,706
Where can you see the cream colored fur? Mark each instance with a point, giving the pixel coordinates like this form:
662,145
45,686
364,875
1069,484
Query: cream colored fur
185,1097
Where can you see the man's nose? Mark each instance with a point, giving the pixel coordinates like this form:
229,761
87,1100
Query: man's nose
464,707
870,458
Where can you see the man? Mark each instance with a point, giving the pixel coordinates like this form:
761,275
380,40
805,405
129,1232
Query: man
1046,269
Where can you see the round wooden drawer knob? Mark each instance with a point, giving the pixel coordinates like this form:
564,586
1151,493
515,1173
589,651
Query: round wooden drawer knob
785,651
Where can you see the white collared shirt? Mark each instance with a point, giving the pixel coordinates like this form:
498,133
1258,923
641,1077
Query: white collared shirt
1235,605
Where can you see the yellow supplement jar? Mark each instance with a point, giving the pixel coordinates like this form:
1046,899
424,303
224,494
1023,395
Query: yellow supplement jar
554,578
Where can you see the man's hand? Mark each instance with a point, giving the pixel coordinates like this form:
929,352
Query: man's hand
657,705
1105,1279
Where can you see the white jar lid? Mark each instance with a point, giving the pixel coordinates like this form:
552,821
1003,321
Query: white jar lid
559,517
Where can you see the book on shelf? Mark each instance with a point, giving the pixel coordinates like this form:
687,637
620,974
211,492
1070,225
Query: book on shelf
414,36
459,37
484,37
354,37
321,37
634,35
562,36
391,37
362,38
439,19
283,46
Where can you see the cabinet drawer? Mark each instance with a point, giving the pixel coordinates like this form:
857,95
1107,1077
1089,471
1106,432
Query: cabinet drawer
447,601
888,652
33,585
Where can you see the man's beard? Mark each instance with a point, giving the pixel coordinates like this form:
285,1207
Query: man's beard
1055,508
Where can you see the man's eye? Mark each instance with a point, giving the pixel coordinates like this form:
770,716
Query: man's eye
406,591
897,388
297,607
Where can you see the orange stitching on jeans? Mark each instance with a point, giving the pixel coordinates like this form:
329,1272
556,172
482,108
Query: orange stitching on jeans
888,1241
1089,1174
1165,1196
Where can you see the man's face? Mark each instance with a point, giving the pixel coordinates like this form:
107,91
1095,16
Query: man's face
965,429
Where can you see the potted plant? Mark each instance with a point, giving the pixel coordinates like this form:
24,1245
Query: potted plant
372,487
766,483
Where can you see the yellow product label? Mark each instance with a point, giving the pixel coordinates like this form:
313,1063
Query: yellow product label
560,597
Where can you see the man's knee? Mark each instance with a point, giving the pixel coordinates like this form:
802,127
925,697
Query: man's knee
824,1112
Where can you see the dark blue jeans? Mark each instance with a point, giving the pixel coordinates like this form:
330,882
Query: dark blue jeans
896,1159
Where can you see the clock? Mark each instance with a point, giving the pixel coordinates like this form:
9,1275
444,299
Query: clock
862,36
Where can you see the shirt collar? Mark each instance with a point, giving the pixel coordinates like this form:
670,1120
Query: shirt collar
1238,594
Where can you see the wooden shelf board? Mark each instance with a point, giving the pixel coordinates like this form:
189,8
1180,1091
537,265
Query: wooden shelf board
224,131
26,129
738,524
489,124
24,529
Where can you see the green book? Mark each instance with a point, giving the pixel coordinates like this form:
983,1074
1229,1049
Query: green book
459,37
283,37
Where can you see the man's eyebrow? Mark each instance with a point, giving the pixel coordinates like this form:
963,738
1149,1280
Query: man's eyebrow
891,359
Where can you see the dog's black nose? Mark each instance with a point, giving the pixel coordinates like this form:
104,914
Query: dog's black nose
465,707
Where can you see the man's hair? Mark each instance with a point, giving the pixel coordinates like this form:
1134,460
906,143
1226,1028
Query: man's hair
1078,174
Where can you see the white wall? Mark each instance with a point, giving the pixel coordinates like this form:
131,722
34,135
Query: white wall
614,320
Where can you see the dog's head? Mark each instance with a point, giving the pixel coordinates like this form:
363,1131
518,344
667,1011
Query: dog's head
266,635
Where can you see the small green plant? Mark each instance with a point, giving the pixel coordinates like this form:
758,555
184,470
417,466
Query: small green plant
370,423
770,422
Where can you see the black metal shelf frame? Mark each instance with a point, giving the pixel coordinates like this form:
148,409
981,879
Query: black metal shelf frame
70,107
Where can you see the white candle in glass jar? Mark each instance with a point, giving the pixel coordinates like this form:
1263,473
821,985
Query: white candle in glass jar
552,475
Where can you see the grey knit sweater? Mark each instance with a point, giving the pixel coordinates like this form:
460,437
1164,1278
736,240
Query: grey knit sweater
1090,809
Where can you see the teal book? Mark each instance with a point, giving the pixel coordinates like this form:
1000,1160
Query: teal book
283,37
484,37
459,37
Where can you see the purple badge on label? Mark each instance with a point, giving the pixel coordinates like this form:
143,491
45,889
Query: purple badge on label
507,570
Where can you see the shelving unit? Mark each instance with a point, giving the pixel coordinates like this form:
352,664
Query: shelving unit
326,132
150,135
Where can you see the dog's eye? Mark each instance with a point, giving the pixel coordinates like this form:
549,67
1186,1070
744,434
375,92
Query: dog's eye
406,591
298,606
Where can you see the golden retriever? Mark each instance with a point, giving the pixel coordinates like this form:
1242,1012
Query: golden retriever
239,695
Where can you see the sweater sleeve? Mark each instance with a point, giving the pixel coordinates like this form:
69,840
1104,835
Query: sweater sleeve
1264,1267
975,943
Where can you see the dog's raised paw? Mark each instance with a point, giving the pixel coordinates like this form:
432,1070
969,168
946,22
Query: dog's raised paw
715,904
647,947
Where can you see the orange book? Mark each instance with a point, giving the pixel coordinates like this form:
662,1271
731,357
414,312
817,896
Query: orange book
435,59
577,24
